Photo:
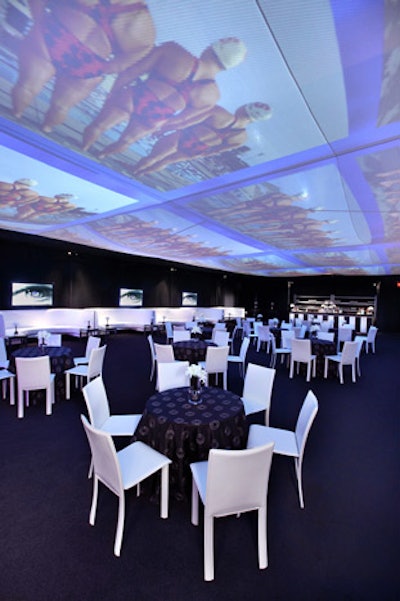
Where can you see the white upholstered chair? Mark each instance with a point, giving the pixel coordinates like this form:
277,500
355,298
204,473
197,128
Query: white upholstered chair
287,442
34,373
232,482
240,359
257,389
348,356
92,342
216,363
301,353
172,375
122,470
86,372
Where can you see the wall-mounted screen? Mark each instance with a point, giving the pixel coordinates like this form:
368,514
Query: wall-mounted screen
29,295
130,297
189,299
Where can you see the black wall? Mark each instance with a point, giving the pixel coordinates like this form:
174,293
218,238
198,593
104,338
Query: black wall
84,277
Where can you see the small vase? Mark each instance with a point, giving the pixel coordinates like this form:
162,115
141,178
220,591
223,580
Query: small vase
195,392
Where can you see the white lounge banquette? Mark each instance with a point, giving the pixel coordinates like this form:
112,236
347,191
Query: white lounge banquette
27,322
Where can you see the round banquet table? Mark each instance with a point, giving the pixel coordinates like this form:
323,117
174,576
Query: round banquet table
191,350
185,433
61,358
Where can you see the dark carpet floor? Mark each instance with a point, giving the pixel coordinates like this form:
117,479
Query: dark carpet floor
343,546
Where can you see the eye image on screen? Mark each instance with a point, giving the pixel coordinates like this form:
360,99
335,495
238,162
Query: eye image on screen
189,299
28,294
130,297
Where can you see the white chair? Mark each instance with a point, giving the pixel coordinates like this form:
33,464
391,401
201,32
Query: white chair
257,390
179,335
54,340
172,375
169,332
286,325
153,355
288,442
92,342
7,376
263,337
237,331
122,470
369,339
221,337
301,353
4,362
231,482
33,373
164,354
329,336
282,352
86,372
345,334
220,326
360,342
98,408
240,359
348,356
217,363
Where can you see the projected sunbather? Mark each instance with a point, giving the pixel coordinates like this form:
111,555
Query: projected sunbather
167,82
220,131
78,42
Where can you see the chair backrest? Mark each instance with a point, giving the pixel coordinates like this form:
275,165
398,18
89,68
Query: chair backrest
305,420
349,352
164,353
33,373
263,333
96,400
221,337
96,360
286,325
105,461
371,335
151,345
220,326
360,342
3,354
189,325
330,336
258,383
2,326
54,340
168,330
286,338
179,335
216,359
237,481
345,333
244,347
92,342
172,375
301,349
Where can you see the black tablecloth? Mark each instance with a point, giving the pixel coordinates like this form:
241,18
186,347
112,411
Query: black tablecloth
186,433
320,348
61,358
191,350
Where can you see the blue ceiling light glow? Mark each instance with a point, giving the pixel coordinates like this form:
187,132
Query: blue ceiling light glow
218,137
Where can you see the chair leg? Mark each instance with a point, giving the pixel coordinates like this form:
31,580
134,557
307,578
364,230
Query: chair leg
262,538
341,373
92,515
208,548
67,386
20,407
195,504
298,469
120,525
164,491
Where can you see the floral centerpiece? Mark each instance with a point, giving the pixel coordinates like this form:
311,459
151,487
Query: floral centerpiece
195,332
198,377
